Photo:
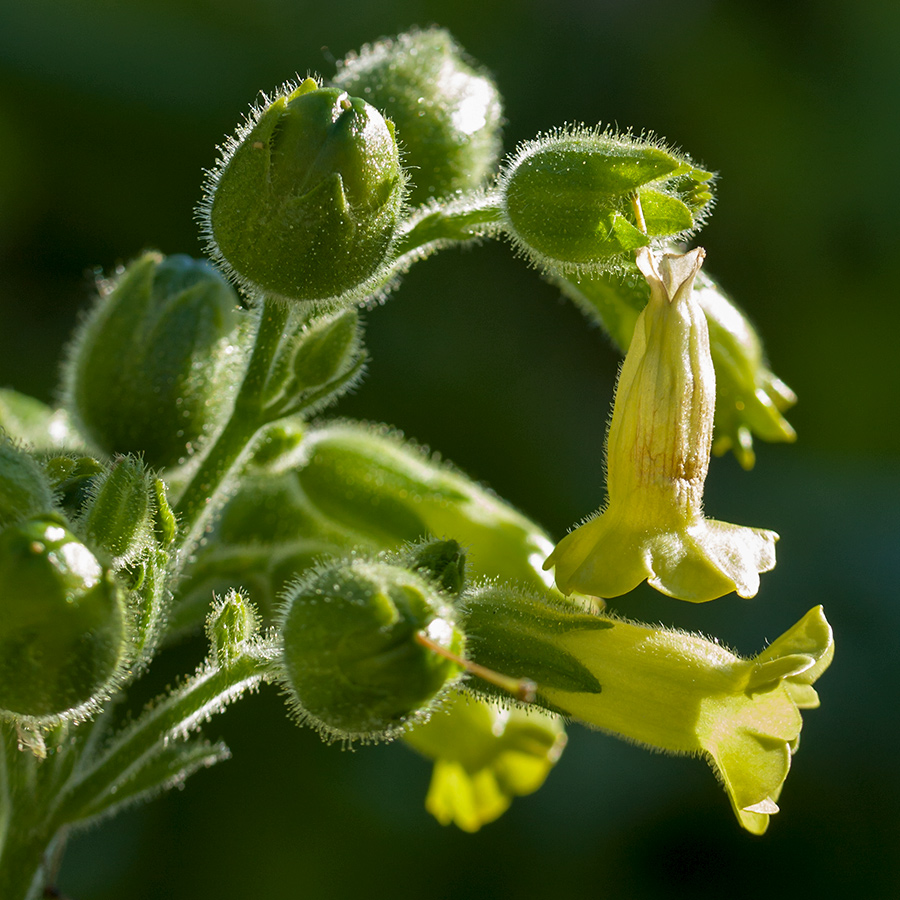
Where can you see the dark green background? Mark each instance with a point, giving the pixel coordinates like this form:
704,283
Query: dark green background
109,111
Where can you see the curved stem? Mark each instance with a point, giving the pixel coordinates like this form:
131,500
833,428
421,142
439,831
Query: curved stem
458,221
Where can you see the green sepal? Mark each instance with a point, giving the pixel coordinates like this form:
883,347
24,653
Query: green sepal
72,478
573,200
120,515
517,634
444,562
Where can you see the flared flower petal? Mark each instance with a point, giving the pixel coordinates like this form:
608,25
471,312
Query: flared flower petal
658,449
668,690
484,756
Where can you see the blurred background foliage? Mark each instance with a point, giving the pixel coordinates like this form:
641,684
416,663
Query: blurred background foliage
109,110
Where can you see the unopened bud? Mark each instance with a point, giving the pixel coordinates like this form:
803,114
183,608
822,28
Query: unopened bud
305,201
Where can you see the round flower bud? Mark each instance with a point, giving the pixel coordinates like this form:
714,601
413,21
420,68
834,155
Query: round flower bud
154,368
583,199
351,662
447,113
304,203
62,623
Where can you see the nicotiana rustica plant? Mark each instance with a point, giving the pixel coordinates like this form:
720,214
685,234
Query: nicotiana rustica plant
184,482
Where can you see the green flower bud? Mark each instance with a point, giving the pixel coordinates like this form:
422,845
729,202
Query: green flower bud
583,199
304,202
366,479
448,114
349,656
325,360
231,623
25,490
63,627
154,368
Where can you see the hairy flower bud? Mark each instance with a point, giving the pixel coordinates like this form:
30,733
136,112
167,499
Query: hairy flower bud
350,660
447,113
582,199
153,369
304,202
63,631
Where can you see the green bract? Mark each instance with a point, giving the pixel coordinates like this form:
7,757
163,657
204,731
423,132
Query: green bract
305,201
447,113
582,199
62,623
349,655
153,369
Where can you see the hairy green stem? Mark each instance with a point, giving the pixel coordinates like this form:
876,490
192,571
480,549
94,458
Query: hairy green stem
197,502
460,220
174,716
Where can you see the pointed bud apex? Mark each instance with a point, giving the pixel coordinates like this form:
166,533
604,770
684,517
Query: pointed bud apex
582,199
304,203
153,369
350,659
231,624
62,624
447,113
25,490
444,562
658,449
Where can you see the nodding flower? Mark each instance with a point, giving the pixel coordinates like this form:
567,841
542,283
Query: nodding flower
657,456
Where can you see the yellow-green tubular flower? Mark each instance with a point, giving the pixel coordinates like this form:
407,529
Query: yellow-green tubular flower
668,690
582,199
304,201
485,755
658,450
